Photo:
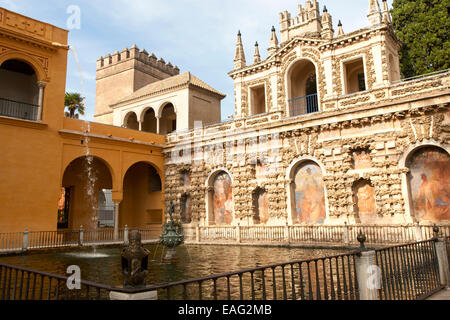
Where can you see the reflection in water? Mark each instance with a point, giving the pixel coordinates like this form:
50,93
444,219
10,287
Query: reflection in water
195,261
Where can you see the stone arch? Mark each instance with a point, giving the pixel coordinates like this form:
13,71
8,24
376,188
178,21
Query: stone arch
220,206
130,121
167,117
83,178
316,210
41,73
148,119
426,181
298,100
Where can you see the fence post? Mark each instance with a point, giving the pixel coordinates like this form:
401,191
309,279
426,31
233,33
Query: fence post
346,234
442,257
365,262
197,234
125,235
25,240
81,239
238,233
287,235
418,228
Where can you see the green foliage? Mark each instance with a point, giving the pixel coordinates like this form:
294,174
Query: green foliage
74,104
423,27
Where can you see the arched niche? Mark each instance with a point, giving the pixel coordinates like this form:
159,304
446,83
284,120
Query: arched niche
364,202
131,121
220,198
428,183
307,193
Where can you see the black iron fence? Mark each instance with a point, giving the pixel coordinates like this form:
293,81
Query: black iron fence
304,105
408,272
16,109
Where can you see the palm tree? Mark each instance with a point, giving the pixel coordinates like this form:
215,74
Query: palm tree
74,103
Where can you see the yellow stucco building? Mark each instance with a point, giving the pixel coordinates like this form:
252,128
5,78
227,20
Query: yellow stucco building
47,159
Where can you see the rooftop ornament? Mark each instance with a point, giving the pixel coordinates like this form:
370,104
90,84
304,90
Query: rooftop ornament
172,235
134,262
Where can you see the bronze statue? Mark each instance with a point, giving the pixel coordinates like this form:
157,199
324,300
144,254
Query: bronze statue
134,262
172,235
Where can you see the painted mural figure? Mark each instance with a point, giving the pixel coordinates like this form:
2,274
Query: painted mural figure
223,200
309,195
430,184
365,194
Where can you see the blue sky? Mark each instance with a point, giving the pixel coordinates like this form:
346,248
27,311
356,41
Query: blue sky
196,35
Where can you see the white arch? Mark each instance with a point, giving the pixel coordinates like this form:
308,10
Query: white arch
289,190
127,115
143,111
287,85
406,193
159,110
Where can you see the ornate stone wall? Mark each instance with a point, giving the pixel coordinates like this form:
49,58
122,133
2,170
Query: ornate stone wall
385,137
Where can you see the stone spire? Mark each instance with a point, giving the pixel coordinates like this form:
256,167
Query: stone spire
374,15
273,45
239,57
340,29
257,56
327,25
385,13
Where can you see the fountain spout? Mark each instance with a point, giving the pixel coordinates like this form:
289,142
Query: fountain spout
172,235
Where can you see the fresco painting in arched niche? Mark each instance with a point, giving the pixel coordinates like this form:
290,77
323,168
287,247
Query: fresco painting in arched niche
309,194
223,199
186,209
365,201
429,182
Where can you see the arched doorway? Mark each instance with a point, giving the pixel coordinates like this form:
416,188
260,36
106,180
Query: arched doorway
168,121
220,196
142,197
308,194
19,90
85,181
131,121
302,88
429,184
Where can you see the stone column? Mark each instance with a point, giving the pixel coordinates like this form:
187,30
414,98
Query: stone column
116,220
346,235
125,235
81,239
41,86
442,256
238,233
287,235
25,240
158,125
140,125
197,234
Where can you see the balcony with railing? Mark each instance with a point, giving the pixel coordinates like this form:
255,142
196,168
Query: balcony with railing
303,105
20,110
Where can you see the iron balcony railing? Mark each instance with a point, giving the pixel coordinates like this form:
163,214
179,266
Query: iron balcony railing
304,105
408,272
20,110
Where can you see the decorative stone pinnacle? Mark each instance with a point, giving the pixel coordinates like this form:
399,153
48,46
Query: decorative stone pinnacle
362,239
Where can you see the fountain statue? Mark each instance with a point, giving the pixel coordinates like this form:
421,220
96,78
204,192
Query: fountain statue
172,235
134,262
